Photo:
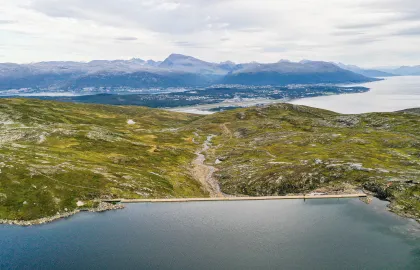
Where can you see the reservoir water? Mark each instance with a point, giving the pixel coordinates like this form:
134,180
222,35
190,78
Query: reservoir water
288,234
391,94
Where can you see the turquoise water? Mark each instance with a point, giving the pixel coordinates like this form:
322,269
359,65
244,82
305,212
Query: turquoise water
292,234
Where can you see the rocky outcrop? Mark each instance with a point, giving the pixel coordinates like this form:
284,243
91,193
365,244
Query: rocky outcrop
379,190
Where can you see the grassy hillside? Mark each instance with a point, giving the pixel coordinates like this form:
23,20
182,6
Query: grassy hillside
285,148
53,155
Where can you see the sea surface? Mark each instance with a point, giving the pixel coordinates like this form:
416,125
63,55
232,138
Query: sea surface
388,95
391,94
288,234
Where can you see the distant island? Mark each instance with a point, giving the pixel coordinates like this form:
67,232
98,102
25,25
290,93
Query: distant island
59,158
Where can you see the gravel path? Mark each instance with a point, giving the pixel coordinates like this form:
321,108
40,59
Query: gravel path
204,173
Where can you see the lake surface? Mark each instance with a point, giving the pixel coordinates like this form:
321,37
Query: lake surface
292,234
391,94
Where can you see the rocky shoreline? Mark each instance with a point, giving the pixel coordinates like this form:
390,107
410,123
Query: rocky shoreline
392,207
372,190
102,207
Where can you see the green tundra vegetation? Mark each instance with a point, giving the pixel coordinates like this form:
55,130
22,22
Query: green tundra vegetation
53,155
284,149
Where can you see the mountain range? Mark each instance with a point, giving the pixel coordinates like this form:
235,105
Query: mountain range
405,71
175,71
367,72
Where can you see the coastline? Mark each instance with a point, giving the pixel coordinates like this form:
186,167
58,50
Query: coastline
102,207
109,205
263,198
392,207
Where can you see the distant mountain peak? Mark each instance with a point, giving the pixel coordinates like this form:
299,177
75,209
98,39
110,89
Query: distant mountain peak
137,60
227,63
177,56
191,64
153,63
305,61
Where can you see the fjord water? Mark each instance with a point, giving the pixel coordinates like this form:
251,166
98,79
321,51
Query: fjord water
388,95
292,234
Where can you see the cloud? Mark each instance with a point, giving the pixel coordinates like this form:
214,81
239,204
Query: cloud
126,38
363,40
367,32
395,10
358,26
252,29
188,44
182,16
409,32
347,33
391,6
7,21
274,49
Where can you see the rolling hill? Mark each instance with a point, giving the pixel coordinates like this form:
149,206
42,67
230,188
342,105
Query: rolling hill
55,155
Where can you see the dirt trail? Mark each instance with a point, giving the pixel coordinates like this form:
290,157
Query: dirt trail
204,173
226,130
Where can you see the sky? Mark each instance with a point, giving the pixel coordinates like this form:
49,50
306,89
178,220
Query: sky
368,33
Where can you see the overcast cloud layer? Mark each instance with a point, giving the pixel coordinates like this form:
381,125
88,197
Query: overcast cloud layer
363,32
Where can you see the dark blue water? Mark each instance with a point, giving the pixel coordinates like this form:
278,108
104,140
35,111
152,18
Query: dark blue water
317,234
